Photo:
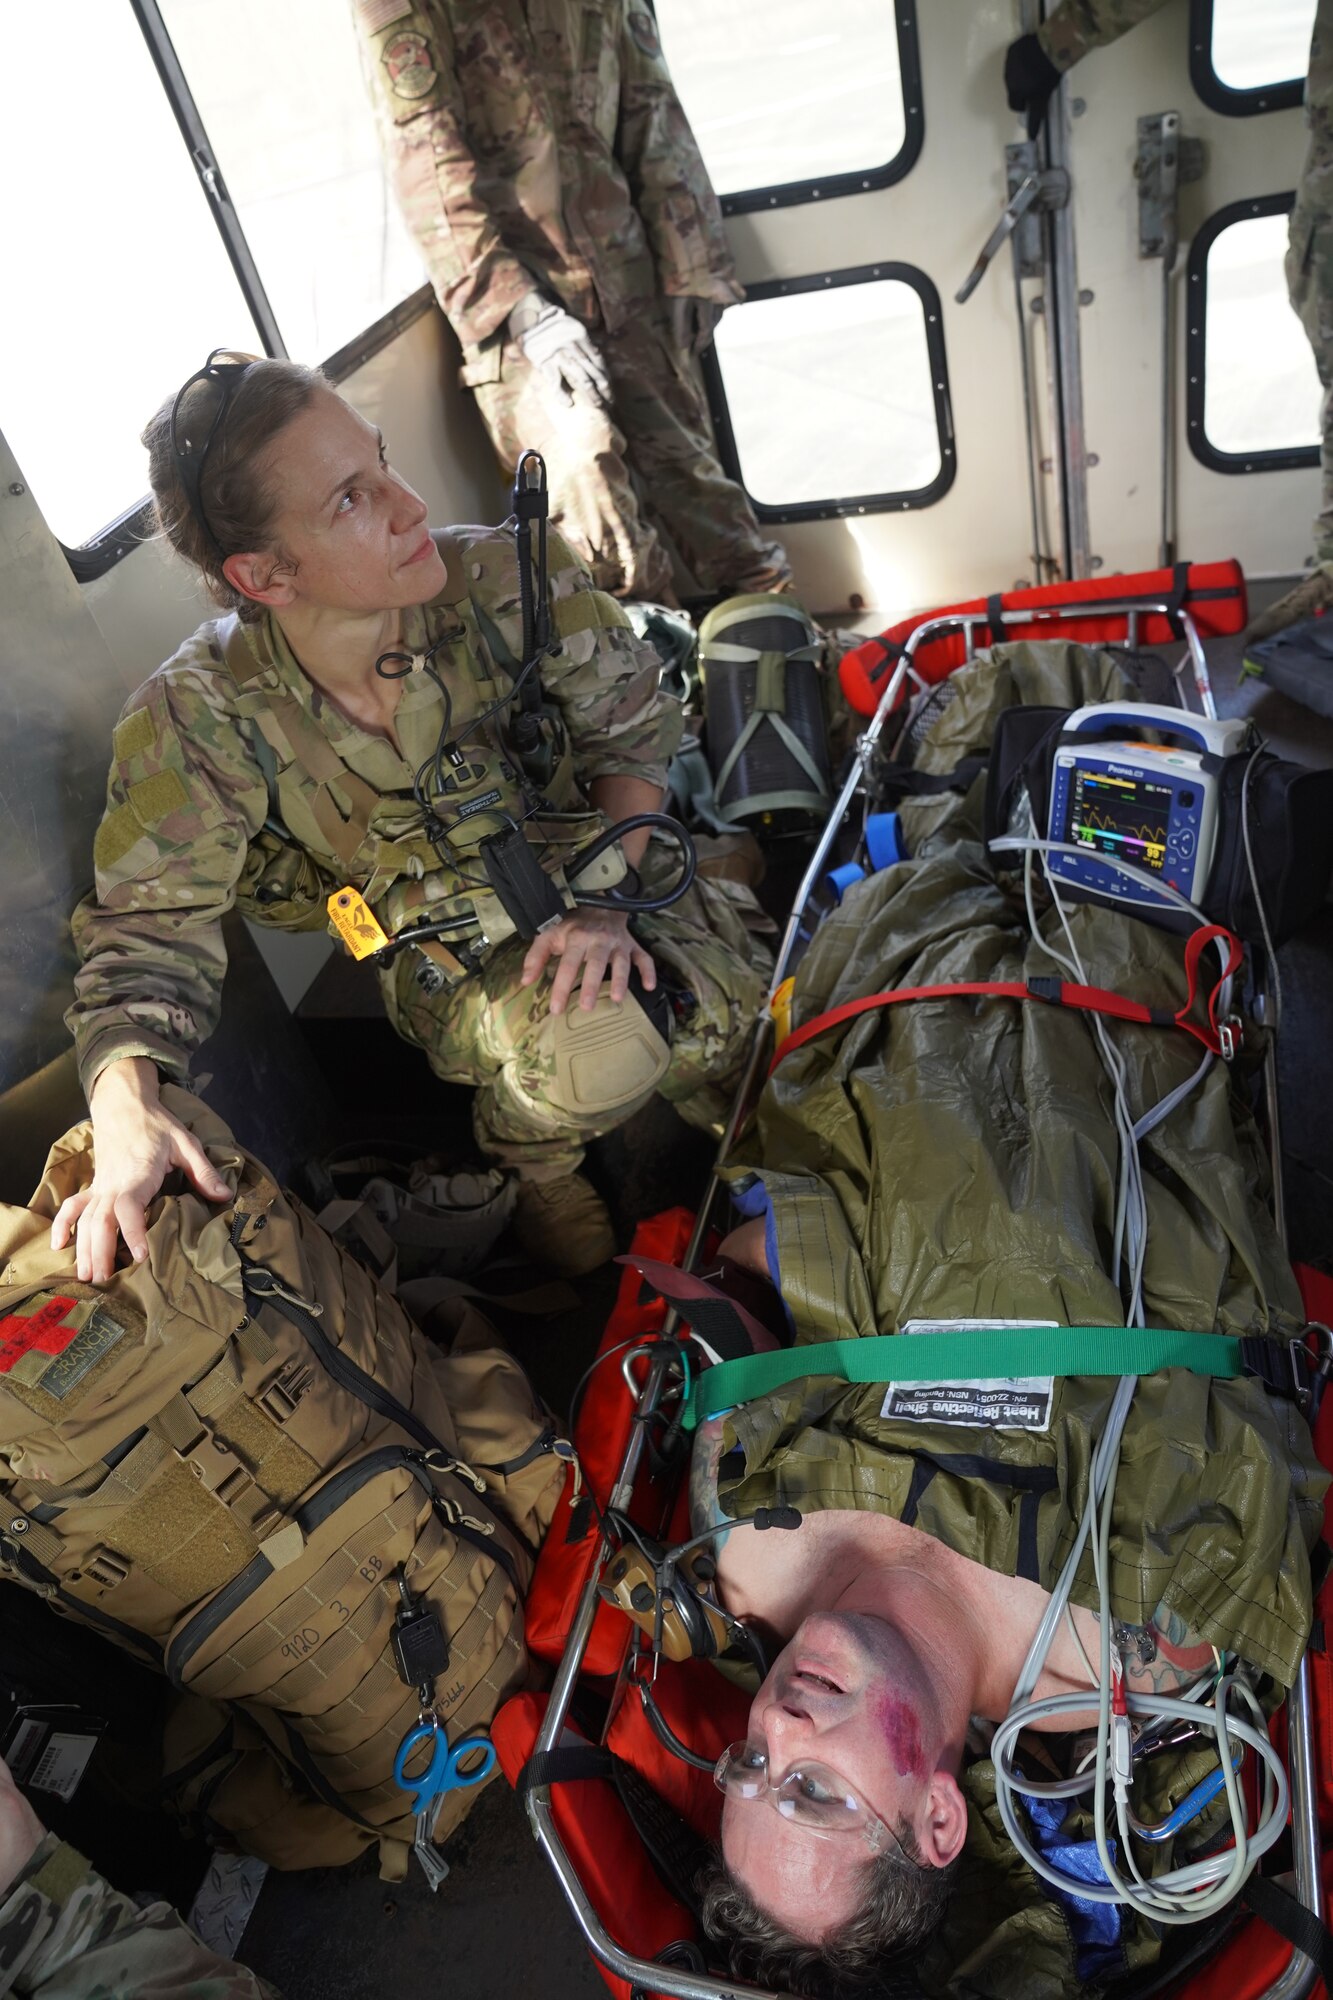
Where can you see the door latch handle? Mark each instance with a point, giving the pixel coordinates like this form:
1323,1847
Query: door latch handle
1044,190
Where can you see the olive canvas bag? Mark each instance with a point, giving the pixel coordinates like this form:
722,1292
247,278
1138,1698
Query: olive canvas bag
230,1457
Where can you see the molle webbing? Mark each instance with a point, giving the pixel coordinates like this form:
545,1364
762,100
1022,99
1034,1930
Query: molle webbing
295,739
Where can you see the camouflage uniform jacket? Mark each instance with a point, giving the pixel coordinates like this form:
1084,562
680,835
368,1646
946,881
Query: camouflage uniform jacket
65,1934
1079,26
241,784
540,142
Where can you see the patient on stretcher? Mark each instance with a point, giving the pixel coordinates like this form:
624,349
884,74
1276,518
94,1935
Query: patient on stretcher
965,1160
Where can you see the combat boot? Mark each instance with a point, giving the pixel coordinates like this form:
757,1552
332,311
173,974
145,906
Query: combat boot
563,1225
1310,596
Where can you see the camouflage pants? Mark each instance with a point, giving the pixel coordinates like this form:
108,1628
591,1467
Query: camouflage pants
636,489
490,1031
1310,256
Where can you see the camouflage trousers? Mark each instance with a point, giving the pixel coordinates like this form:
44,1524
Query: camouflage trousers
500,1036
67,1934
636,489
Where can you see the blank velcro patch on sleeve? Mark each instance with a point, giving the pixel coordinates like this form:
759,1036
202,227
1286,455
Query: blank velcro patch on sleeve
133,734
153,798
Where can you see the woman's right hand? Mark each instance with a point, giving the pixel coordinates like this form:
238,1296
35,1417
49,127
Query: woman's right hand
136,1143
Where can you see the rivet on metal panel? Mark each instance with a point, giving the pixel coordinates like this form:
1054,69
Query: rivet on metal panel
1091,458
1085,297
1038,304
1095,562
1078,107
17,488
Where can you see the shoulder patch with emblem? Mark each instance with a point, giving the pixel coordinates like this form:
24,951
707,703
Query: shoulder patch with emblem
54,1340
410,61
644,30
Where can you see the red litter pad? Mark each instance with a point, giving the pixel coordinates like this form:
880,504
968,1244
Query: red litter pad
1212,593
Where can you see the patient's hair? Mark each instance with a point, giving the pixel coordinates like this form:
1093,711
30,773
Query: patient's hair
236,492
903,1903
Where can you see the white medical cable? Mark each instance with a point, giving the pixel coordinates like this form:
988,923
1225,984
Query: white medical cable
1021,843
1183,1895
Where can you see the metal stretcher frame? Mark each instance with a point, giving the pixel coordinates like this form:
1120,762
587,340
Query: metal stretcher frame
649,1976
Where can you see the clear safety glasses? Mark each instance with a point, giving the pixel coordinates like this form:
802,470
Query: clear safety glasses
816,1799
196,420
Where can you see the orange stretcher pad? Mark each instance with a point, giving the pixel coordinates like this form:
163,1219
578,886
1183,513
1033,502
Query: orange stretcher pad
1212,593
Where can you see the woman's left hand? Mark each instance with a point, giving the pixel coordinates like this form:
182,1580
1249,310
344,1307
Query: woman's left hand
593,942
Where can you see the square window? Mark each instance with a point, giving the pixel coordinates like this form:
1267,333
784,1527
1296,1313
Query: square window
282,98
1257,43
1260,384
833,394
783,97
119,283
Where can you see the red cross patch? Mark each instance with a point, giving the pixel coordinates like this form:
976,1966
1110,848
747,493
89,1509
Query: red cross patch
42,1332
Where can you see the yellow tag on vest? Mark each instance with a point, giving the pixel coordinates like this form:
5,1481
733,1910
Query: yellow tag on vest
356,923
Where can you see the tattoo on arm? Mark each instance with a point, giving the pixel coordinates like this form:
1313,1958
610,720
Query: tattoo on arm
705,1507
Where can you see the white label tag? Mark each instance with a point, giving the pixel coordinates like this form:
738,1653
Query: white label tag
1009,1403
1019,1403
62,1764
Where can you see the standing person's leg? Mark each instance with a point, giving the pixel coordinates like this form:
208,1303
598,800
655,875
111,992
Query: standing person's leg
1310,288
593,501
662,412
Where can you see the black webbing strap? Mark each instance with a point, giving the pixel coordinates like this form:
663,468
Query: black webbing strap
563,1766
890,656
1280,1910
995,617
1180,590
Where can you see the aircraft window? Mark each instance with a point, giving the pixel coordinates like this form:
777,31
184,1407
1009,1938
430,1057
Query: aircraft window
118,282
790,103
854,363
280,91
1253,397
1250,55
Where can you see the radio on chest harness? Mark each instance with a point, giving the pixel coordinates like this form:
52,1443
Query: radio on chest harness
1153,807
523,897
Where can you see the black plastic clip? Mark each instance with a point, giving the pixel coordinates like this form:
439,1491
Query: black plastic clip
1284,1367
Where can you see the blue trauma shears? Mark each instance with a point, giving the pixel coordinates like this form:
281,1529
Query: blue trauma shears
448,1770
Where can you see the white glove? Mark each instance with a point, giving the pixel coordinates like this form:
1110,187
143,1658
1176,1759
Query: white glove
692,323
559,349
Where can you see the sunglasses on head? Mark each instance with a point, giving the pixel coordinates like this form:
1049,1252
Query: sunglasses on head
192,436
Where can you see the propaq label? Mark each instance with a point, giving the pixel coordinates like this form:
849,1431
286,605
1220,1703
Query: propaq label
1005,1403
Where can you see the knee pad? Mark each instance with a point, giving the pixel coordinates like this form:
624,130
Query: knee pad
609,1058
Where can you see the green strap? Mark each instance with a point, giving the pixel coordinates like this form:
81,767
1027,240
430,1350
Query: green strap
983,1354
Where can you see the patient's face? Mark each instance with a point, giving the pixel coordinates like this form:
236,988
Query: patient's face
847,1693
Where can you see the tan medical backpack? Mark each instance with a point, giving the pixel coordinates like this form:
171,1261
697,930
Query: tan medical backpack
227,1458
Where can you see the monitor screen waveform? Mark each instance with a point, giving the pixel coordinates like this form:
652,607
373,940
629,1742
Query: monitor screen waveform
1124,817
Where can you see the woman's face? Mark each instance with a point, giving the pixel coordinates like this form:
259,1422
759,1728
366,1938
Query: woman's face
351,534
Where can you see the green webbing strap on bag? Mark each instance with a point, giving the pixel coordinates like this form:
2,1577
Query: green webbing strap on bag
983,1354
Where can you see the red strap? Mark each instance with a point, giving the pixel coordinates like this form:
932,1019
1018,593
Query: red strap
1218,1040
